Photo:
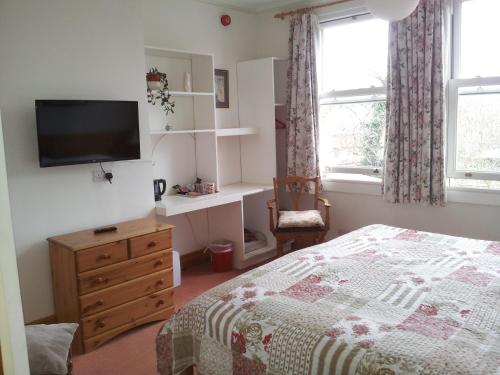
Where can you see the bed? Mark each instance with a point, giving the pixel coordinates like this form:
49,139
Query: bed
377,301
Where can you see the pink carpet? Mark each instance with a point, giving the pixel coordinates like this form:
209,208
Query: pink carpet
133,353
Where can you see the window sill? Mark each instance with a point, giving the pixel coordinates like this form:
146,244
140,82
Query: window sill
352,183
366,185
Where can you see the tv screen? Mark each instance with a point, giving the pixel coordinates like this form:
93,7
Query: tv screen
86,131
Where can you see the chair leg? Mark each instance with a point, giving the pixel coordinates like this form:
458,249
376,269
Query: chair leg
279,248
302,243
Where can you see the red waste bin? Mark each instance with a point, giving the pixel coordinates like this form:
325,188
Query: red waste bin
222,255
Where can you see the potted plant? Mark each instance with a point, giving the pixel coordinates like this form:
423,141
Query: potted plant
158,90
153,79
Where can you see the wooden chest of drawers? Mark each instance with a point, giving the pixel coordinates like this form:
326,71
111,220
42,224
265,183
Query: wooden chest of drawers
111,282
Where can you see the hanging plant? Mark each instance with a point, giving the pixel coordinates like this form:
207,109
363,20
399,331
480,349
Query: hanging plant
158,90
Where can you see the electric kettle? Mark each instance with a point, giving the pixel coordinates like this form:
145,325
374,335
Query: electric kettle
160,186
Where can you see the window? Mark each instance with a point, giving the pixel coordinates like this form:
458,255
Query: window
353,89
474,96
353,103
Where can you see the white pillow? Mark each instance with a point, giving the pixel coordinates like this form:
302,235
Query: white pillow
48,347
300,219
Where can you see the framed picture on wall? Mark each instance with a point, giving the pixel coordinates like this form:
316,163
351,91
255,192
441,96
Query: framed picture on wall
221,88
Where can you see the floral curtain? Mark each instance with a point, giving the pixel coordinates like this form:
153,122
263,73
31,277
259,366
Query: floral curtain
414,152
302,100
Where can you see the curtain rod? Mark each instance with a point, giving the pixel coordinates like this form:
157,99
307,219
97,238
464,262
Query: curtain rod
282,15
353,17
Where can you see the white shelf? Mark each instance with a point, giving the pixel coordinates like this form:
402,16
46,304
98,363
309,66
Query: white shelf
190,93
188,131
235,132
172,205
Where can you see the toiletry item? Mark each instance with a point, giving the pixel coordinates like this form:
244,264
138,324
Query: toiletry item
187,82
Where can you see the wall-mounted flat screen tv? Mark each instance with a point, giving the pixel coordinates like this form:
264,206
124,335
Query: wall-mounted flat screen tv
86,131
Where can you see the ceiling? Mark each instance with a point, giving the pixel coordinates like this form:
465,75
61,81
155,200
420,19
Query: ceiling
258,6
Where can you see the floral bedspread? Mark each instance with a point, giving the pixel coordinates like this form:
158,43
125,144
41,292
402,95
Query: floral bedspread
377,301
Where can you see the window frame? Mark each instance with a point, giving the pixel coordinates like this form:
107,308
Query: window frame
454,85
352,96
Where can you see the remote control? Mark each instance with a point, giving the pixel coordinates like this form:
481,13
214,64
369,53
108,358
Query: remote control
105,230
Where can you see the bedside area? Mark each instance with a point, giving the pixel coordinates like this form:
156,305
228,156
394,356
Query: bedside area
112,282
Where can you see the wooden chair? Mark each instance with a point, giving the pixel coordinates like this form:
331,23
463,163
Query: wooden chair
301,236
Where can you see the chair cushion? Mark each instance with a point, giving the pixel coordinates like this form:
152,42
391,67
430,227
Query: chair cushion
300,219
48,347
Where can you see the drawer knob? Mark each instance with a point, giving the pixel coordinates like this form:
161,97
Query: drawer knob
151,244
159,263
99,280
159,283
104,257
159,303
99,323
96,304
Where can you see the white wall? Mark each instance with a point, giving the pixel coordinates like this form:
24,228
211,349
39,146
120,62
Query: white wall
59,49
352,211
272,34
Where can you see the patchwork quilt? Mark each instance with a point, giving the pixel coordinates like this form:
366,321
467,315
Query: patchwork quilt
377,301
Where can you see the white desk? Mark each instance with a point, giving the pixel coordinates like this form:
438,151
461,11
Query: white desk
171,205
227,211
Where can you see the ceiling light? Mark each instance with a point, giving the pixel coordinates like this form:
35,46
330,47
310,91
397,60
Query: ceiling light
391,10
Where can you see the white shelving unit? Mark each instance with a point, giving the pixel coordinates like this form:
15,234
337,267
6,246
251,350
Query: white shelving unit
188,131
189,149
177,204
262,94
241,160
280,68
228,132
189,93
231,132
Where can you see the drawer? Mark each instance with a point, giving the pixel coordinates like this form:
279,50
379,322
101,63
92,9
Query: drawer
105,277
100,256
116,295
96,341
150,243
128,313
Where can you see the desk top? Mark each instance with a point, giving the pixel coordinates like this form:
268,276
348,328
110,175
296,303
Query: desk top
172,205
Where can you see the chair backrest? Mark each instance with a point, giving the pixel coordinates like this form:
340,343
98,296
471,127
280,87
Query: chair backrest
295,186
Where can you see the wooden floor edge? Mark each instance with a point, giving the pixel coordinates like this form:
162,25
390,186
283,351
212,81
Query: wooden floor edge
194,258
47,320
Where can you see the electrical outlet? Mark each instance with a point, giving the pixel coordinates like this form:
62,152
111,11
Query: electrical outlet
98,174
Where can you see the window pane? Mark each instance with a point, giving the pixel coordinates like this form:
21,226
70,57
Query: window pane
355,55
352,135
478,130
480,55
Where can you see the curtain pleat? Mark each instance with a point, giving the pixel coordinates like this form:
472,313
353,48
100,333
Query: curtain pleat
302,99
414,152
